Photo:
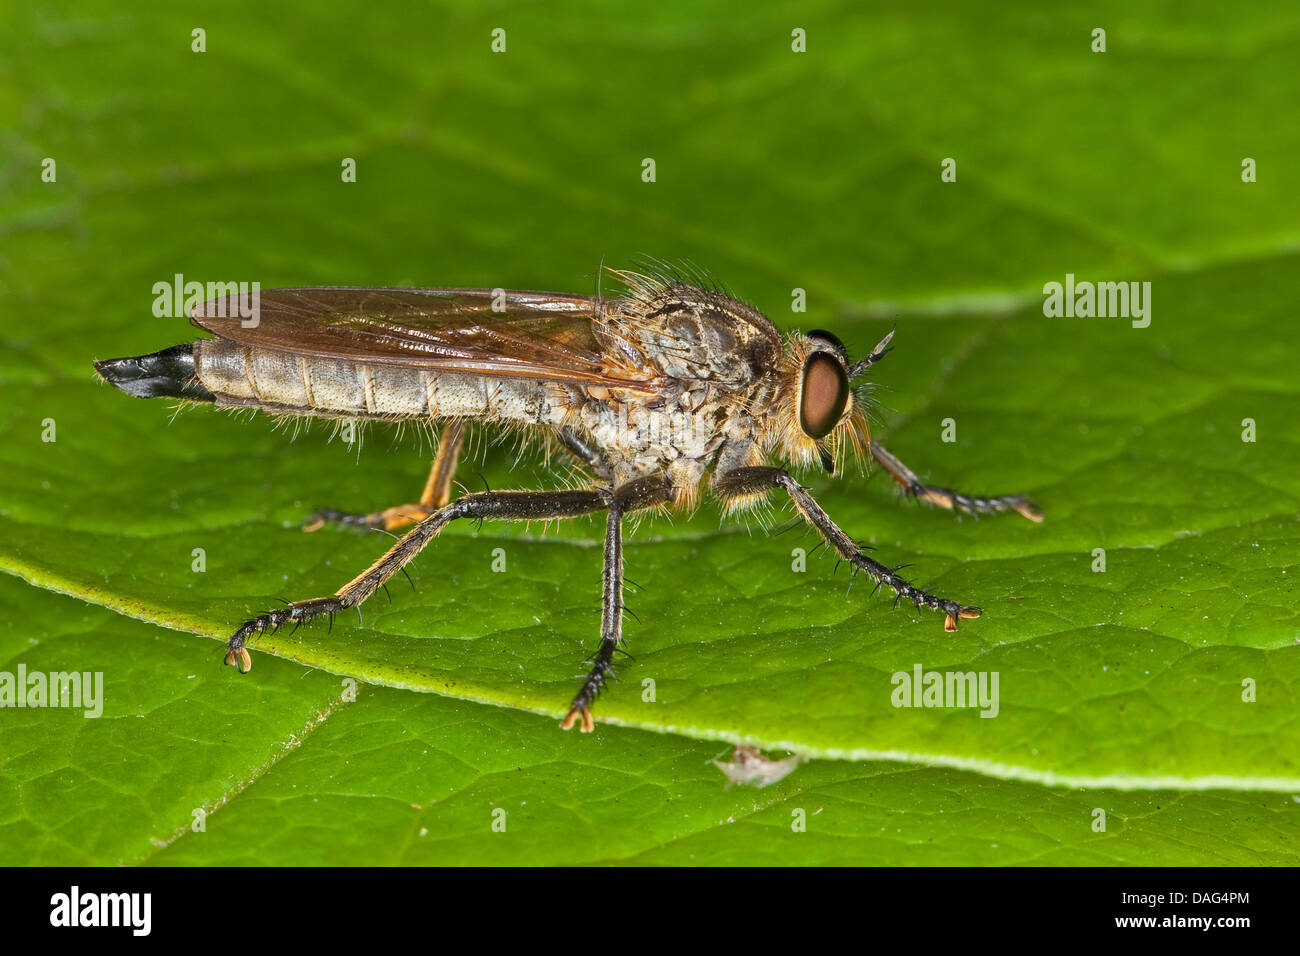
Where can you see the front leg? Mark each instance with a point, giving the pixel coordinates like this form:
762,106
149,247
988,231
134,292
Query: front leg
747,481
946,497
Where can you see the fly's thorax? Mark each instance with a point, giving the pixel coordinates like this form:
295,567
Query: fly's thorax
691,334
286,382
710,353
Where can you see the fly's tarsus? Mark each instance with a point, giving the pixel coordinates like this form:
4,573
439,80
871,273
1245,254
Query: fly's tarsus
323,516
437,492
297,612
946,497
972,504
241,654
905,590
387,520
579,714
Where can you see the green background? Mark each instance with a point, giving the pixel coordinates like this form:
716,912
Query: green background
1120,691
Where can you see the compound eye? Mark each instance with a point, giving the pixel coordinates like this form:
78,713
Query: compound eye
825,393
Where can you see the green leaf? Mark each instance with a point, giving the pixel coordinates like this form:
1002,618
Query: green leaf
1130,678
184,767
778,171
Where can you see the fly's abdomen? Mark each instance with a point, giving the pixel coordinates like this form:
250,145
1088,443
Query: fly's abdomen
310,385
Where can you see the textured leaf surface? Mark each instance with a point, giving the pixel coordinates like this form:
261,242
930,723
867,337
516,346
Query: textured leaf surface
283,770
818,171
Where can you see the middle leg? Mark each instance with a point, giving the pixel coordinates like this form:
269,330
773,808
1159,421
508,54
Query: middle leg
642,493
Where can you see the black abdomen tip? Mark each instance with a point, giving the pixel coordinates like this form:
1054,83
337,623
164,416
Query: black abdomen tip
165,374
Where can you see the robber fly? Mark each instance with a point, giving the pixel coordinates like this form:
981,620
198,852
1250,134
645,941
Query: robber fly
664,392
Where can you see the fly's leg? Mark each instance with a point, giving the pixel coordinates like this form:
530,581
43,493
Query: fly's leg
437,489
611,625
585,453
524,505
946,498
744,482
642,493
437,492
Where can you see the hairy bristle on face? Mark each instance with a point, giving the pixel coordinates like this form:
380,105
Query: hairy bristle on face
784,435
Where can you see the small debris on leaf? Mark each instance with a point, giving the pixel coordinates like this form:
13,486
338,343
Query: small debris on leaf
748,766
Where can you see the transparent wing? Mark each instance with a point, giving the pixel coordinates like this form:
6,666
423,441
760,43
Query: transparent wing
540,335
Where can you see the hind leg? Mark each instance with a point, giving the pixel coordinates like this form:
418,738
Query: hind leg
437,492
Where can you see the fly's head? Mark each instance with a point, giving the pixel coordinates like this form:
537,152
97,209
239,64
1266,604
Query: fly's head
819,411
